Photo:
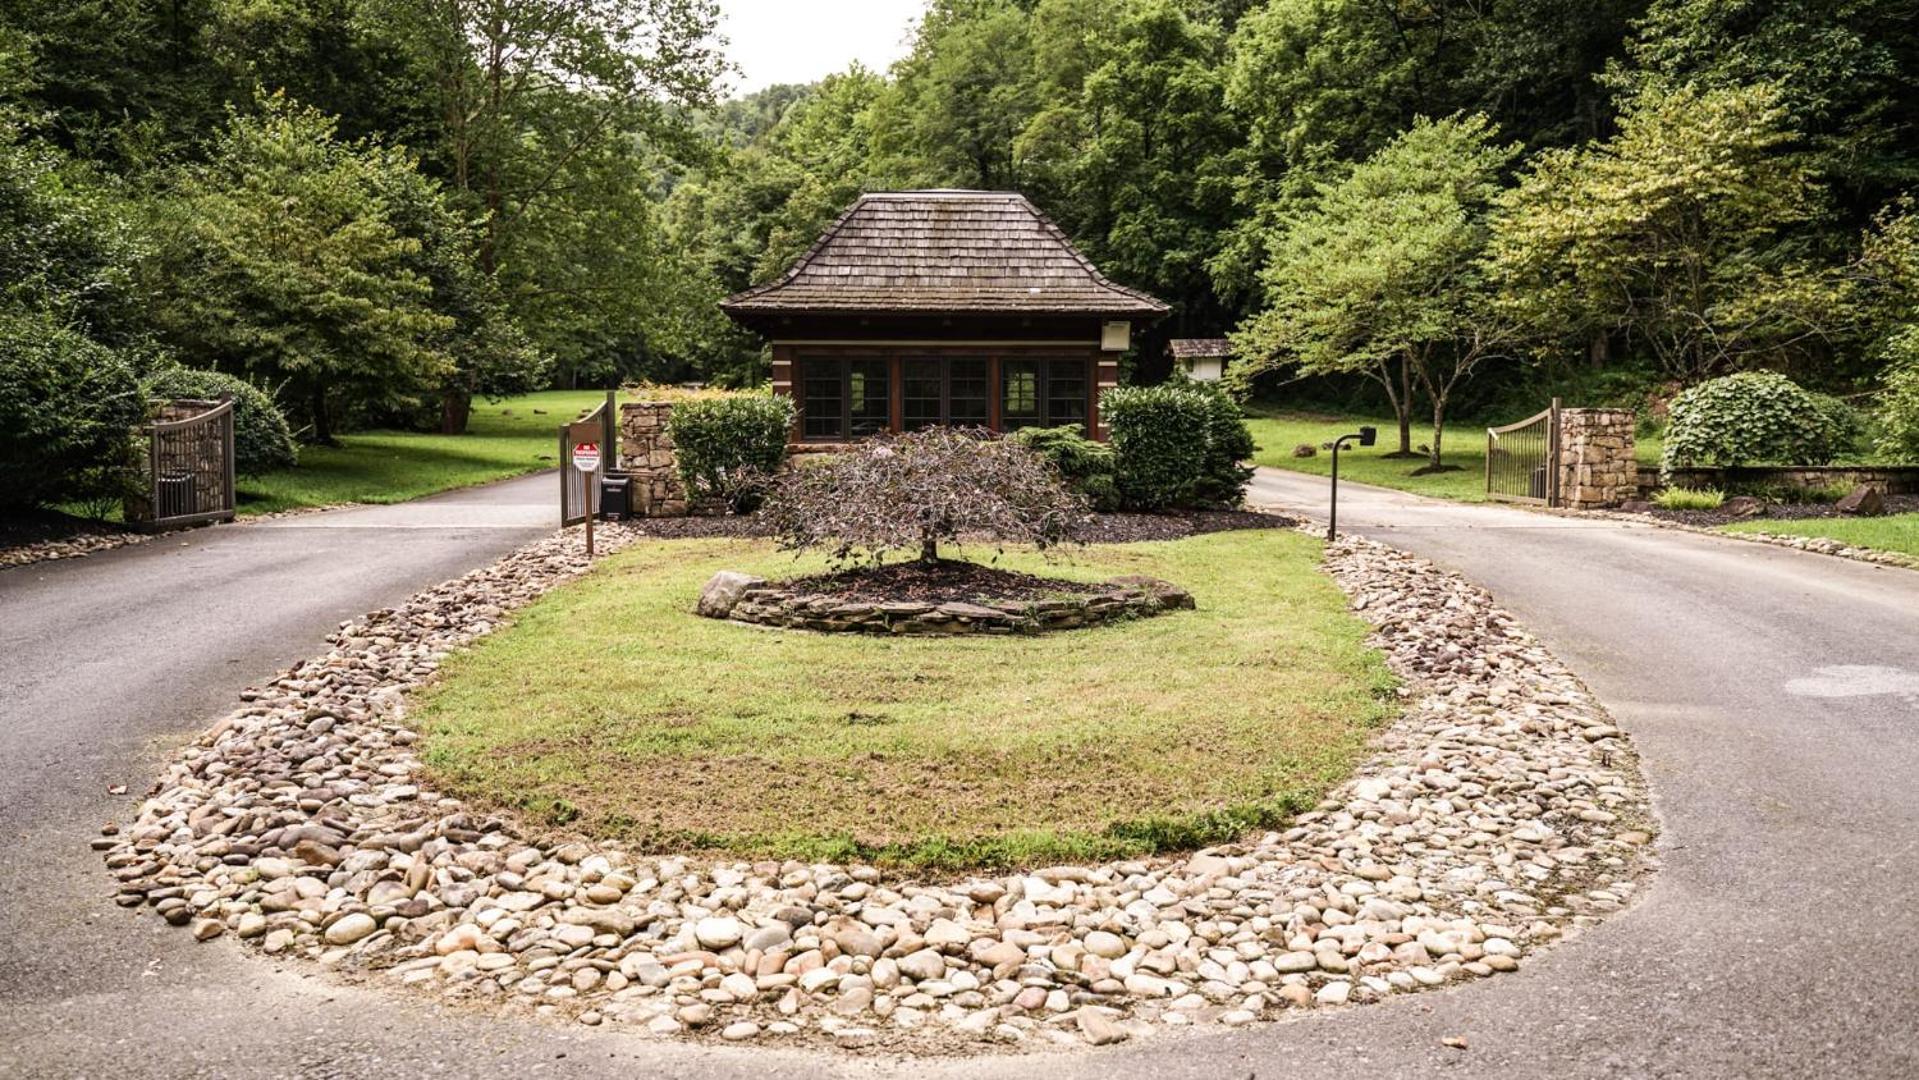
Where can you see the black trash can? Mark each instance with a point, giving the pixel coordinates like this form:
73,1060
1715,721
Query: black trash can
616,499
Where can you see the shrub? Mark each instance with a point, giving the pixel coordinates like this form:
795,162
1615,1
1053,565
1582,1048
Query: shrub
915,491
1087,466
1223,476
262,439
1899,403
1159,440
729,446
1177,445
68,410
1680,498
1756,418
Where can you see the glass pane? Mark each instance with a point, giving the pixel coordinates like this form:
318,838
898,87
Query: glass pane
920,392
1065,392
823,404
967,395
1019,394
866,388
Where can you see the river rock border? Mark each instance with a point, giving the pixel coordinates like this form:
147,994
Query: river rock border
753,600
73,546
1501,810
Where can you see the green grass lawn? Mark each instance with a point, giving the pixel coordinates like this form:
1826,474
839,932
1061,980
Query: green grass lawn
506,438
1277,432
1897,533
610,708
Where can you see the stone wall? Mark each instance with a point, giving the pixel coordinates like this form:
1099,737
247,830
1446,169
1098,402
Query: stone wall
1891,479
1597,462
750,600
648,458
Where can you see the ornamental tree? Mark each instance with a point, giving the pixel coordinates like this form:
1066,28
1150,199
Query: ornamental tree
921,489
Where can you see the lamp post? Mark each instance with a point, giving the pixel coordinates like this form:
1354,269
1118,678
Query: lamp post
1367,436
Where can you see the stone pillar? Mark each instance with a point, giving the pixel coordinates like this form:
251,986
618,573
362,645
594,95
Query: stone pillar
646,455
1597,464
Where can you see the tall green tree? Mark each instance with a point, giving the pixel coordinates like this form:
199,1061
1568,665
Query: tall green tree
1688,235
287,257
1384,276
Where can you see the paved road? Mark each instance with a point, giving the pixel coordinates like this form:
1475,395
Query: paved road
1773,694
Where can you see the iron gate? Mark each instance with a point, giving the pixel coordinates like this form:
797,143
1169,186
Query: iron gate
189,477
1522,460
599,426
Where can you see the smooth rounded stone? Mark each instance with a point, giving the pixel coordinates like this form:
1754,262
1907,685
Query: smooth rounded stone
1098,1029
1334,993
1295,962
767,938
348,929
740,1031
663,1025
1103,944
696,1015
742,987
208,929
1238,1018
922,966
719,932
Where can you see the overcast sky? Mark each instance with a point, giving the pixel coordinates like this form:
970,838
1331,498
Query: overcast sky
791,41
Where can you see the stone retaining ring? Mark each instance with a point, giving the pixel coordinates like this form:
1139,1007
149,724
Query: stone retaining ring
743,598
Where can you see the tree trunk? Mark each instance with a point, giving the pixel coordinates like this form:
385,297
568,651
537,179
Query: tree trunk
929,550
1439,427
322,423
455,407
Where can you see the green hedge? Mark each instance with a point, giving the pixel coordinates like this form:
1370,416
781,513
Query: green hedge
262,439
727,446
1177,445
1088,467
68,410
1757,418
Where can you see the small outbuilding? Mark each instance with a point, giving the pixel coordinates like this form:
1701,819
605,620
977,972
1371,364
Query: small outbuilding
920,308
1202,359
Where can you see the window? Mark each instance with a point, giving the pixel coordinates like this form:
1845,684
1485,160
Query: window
922,392
851,397
870,397
1049,392
967,396
823,400
1019,394
844,398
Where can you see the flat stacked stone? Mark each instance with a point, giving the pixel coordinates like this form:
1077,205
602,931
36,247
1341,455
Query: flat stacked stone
1599,466
730,595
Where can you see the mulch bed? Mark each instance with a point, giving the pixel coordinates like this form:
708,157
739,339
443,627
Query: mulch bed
1102,529
1895,504
946,581
37,526
1175,525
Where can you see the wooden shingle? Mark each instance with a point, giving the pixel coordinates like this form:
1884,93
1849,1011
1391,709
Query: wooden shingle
944,251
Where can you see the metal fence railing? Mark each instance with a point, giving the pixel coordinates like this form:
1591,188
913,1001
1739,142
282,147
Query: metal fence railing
1522,459
189,474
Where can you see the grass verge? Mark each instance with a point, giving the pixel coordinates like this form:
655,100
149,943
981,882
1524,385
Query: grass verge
608,707
1898,533
503,439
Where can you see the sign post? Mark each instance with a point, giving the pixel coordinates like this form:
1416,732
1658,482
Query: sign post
586,458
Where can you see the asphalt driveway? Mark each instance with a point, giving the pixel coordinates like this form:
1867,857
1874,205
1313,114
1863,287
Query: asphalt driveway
1774,696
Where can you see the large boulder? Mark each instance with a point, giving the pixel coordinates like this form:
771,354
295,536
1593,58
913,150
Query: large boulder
1862,501
1743,506
723,591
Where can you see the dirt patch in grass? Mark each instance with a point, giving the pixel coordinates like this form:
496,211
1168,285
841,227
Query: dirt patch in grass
947,580
608,708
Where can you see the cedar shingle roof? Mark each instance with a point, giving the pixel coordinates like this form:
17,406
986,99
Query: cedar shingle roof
934,252
1194,348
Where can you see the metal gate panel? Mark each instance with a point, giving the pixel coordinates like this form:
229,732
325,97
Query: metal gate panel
189,466
576,493
1522,459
